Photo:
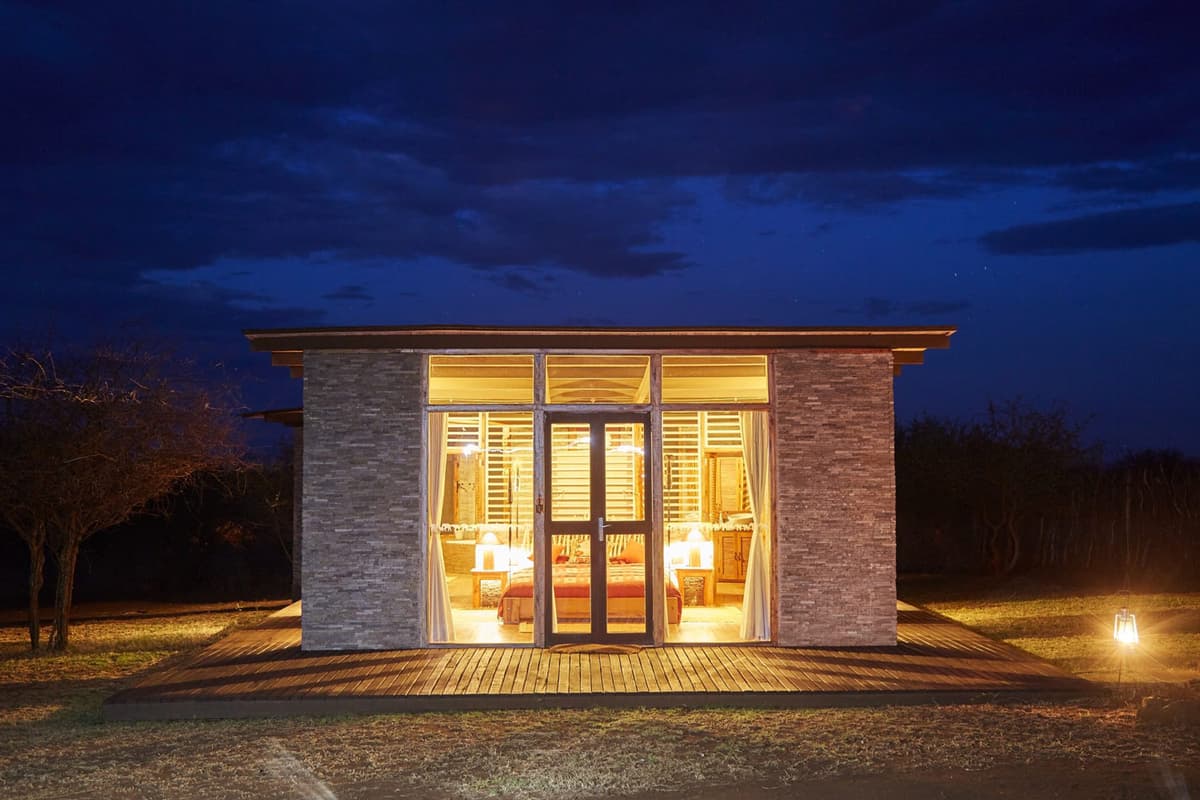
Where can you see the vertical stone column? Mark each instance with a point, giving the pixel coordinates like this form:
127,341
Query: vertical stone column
835,556
362,547
297,510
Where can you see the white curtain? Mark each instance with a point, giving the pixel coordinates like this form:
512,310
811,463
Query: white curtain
756,601
441,621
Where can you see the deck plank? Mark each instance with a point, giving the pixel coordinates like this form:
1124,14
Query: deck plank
564,674
265,663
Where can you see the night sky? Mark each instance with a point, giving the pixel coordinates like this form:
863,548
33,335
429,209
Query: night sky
1029,172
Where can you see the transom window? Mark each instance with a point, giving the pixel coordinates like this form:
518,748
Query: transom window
597,379
714,379
481,380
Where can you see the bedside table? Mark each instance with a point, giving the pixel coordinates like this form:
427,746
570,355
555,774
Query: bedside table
710,585
478,575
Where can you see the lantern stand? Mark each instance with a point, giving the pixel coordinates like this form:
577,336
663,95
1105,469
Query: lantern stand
1125,634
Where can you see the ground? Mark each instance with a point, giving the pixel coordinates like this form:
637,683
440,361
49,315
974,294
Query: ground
53,745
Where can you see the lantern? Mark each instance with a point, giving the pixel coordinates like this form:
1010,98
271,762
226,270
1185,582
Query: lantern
1125,627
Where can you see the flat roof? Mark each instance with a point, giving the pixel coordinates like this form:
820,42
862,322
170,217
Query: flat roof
581,338
291,417
287,345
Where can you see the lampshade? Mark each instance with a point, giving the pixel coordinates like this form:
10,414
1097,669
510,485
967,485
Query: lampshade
696,547
487,551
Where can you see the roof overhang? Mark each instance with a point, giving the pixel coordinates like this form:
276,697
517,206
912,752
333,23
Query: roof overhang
291,417
287,345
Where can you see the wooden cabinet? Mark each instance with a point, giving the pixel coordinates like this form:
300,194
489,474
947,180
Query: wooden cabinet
732,552
724,487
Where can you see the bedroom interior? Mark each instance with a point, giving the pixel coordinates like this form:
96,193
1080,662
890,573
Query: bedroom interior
482,504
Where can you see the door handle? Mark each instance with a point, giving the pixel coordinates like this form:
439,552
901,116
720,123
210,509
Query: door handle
600,526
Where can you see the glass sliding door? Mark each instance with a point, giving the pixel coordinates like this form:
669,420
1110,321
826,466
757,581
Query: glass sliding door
597,527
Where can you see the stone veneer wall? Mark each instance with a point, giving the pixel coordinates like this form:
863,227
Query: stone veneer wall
362,547
297,510
835,555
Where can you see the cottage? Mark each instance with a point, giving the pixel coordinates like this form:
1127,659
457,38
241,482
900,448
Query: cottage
554,485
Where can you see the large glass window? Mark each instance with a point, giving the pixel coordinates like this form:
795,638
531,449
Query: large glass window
481,468
713,512
715,497
481,380
597,379
714,379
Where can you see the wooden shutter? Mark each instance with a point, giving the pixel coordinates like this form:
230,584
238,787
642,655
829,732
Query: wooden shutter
681,466
509,467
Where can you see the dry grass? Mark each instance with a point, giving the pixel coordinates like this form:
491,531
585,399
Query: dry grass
105,652
53,745
545,754
1074,629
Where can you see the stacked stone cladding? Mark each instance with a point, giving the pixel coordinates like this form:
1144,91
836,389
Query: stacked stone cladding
362,544
835,565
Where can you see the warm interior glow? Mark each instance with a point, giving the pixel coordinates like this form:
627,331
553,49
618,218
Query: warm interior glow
704,478
484,524
462,380
597,379
695,551
489,554
714,379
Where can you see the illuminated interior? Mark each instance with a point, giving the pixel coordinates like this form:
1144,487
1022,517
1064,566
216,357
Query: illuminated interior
481,466
714,379
597,379
486,526
707,522
481,379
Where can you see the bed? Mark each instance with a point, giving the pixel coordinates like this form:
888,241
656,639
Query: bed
626,594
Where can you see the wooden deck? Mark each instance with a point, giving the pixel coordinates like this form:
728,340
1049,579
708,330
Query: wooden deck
261,671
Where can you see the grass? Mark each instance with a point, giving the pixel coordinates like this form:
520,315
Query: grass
52,743
1073,629
104,653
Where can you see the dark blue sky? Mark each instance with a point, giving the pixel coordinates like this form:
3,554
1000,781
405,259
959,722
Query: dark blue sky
1029,172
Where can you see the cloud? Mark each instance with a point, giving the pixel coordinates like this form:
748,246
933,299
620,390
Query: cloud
155,140
350,292
846,190
1176,173
517,282
1126,229
933,308
879,307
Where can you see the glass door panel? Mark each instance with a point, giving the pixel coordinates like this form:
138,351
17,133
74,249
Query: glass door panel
570,471
571,609
625,527
624,471
597,527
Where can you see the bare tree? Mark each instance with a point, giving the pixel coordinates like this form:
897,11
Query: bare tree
91,439
23,477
